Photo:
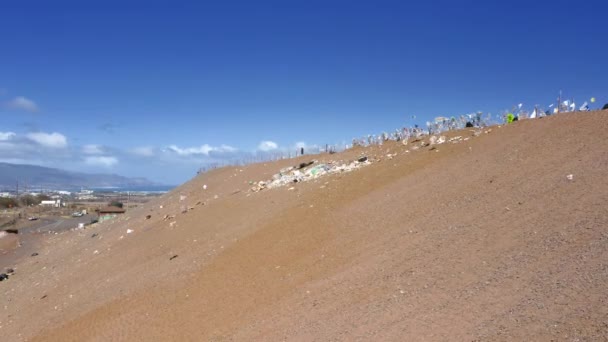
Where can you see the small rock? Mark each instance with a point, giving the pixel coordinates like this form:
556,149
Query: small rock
94,235
173,257
129,231
10,271
148,217
34,254
303,165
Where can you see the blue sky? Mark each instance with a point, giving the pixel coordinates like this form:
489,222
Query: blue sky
160,88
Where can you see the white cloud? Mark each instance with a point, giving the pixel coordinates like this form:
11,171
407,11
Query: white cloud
143,151
23,103
53,140
226,148
101,161
4,136
267,146
201,150
92,149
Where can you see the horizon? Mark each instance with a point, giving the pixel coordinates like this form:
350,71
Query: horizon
141,88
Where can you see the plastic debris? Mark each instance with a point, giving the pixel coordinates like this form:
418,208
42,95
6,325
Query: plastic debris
570,177
129,231
308,171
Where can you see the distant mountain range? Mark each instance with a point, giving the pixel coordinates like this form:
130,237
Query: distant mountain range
34,176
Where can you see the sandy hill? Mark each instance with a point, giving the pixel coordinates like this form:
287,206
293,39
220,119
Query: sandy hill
482,239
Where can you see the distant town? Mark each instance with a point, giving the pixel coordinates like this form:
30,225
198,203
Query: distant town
35,210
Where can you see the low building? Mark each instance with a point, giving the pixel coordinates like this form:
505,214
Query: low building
52,203
108,213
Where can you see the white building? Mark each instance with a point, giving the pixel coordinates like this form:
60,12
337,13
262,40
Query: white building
53,203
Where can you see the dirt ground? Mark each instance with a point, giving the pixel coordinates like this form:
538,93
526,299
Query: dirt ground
482,240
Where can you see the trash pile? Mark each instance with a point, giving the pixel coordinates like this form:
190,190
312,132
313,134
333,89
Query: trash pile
308,171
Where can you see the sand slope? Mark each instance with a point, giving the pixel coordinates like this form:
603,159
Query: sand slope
483,240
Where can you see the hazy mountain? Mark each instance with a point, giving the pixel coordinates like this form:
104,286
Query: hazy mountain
38,176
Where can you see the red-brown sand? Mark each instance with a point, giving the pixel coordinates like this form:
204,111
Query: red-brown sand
482,240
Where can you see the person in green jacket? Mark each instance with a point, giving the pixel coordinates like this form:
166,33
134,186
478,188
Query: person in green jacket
510,117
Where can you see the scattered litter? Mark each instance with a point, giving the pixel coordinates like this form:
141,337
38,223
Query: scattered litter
173,257
43,297
172,224
308,172
96,252
205,187
168,217
570,177
3,276
129,231
10,271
